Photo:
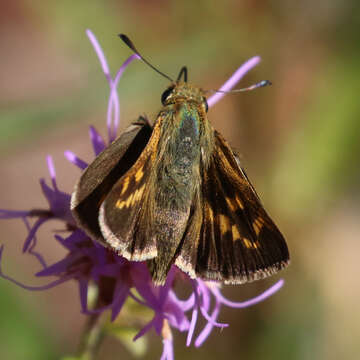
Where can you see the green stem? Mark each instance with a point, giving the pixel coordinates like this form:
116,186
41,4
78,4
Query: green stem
92,337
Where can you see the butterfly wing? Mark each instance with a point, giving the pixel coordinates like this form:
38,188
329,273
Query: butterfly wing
101,175
127,213
237,241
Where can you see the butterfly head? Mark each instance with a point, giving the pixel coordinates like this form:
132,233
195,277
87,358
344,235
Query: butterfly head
181,91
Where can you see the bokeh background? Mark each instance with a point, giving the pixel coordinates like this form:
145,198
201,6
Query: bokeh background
299,141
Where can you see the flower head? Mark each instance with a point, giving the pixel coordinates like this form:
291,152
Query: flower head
115,278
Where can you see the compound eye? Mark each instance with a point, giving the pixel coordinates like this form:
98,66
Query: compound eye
166,94
206,104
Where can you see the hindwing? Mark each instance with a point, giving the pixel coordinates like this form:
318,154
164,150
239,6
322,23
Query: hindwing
237,241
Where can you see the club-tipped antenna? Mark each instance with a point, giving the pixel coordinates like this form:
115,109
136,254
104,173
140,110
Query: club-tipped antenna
130,44
261,83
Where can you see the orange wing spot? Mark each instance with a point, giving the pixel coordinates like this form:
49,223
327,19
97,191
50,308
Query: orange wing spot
125,185
138,195
224,224
258,224
248,244
239,202
120,204
139,174
129,200
132,199
209,212
231,204
235,233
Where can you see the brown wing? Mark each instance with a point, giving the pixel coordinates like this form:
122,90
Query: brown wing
126,213
101,175
237,241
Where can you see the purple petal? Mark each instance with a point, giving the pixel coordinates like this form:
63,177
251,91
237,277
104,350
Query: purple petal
97,141
168,350
172,308
205,294
192,326
158,322
31,249
61,240
32,232
96,255
98,310
38,256
110,270
83,291
12,214
99,52
113,103
48,192
125,64
75,160
185,305
210,320
59,202
176,317
27,287
272,290
144,330
59,267
137,299
143,287
200,290
209,326
147,294
121,294
52,172
164,290
234,79
72,241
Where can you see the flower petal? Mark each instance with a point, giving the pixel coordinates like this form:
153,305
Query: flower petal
12,214
168,350
52,172
32,233
99,52
208,327
269,292
75,160
83,291
193,321
121,293
234,79
31,249
113,103
96,140
144,330
27,287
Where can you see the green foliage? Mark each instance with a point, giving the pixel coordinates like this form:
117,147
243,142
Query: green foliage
22,329
126,335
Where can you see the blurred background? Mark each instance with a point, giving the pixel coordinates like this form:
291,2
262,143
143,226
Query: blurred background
299,141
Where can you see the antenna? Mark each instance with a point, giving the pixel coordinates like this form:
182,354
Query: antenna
261,83
129,43
184,72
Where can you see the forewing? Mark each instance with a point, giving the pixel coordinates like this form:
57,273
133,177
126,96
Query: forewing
238,242
101,175
126,214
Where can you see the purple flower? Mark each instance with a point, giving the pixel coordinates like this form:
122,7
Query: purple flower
116,278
